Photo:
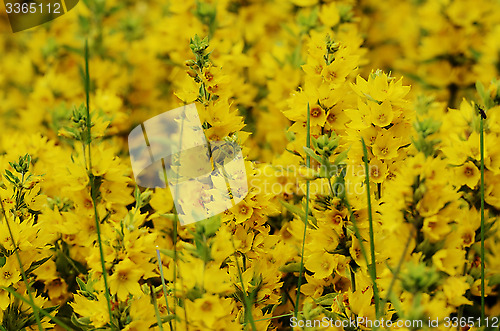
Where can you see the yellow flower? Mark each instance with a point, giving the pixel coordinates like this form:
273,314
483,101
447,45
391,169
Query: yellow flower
34,200
360,300
454,289
435,228
385,147
304,3
142,314
209,308
125,279
318,115
242,211
475,288
467,174
321,263
450,260
4,301
96,310
378,170
9,273
381,114
329,14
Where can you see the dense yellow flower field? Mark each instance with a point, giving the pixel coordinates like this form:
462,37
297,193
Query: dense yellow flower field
370,137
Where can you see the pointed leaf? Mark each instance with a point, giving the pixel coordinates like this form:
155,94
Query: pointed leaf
311,153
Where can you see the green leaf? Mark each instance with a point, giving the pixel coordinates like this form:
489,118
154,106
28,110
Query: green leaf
293,152
341,157
311,153
485,98
82,322
299,212
37,264
164,319
326,300
81,285
294,209
290,267
11,177
170,253
209,226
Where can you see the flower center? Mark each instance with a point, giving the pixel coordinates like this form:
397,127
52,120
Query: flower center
331,118
243,210
315,112
123,276
468,172
206,306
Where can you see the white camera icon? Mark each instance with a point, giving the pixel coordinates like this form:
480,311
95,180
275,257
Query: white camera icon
205,179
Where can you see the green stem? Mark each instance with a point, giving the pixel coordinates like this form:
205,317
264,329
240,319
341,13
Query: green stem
163,284
373,268
155,304
247,305
356,232
481,147
92,185
308,164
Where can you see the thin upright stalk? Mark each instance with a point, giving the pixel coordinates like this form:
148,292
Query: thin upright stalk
373,268
157,311
92,185
163,284
308,164
246,303
481,148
